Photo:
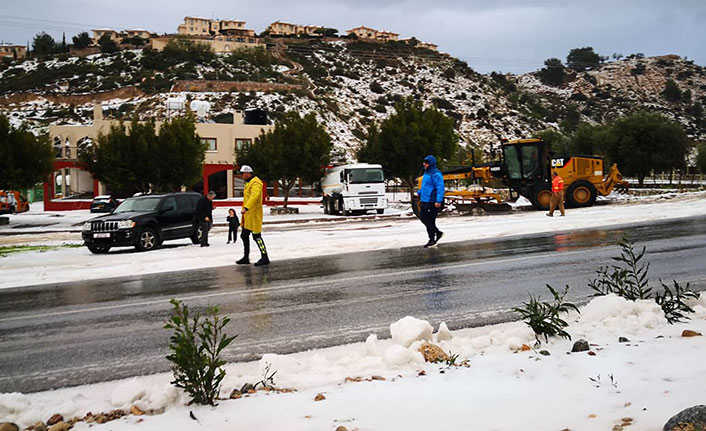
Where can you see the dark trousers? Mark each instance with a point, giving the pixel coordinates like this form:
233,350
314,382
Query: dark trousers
245,236
232,233
205,227
427,214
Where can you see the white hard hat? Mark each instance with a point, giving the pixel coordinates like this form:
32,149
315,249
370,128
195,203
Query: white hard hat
245,168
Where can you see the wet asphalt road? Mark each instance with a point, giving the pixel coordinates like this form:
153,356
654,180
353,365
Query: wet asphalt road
75,333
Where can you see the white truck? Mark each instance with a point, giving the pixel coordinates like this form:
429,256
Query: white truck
354,188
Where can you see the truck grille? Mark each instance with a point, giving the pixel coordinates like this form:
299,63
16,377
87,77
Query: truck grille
104,226
368,201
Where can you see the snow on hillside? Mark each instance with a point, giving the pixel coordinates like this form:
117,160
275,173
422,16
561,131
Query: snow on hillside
498,382
349,85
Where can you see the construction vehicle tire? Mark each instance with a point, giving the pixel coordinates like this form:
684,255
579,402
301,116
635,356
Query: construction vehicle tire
541,197
581,194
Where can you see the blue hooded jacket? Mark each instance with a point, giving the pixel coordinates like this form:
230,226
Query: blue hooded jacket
432,189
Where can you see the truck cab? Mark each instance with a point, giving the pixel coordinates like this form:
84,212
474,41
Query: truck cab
354,189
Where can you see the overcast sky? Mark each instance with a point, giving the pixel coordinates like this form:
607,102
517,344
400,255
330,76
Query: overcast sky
508,36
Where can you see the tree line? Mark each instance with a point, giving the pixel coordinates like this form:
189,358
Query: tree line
43,44
147,157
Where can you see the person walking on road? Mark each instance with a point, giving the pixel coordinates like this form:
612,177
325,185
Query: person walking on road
233,224
431,195
203,216
557,195
252,217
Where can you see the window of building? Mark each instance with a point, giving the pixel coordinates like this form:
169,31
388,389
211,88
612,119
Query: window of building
211,143
242,143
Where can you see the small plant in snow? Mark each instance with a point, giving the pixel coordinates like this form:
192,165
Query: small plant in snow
544,317
613,382
628,278
630,281
673,301
450,360
268,379
196,346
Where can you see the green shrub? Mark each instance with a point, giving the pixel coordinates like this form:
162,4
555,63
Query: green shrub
673,302
544,317
196,346
628,278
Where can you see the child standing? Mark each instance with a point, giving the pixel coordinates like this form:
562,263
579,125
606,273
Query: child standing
233,224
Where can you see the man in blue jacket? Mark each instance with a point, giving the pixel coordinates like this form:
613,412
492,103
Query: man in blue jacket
431,195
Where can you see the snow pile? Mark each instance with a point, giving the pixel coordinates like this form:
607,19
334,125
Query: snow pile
408,330
648,380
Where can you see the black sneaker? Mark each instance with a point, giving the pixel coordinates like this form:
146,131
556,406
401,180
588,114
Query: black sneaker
439,235
243,261
264,260
205,245
430,243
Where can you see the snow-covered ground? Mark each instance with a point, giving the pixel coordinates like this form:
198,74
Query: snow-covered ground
313,238
386,385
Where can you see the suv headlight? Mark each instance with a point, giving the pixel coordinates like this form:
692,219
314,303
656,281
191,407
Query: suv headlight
87,226
126,224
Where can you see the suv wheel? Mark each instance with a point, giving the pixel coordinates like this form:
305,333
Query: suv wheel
147,240
196,236
98,250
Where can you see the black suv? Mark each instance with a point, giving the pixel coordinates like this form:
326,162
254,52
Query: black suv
144,222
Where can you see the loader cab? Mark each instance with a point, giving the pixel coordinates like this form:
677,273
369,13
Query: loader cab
526,169
525,160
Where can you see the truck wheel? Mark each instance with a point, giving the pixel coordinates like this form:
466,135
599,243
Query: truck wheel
381,210
147,240
98,250
541,197
339,206
581,194
326,208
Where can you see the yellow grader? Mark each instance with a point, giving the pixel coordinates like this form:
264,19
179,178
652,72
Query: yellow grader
526,170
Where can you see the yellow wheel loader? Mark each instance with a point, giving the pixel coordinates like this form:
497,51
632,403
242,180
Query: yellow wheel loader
526,169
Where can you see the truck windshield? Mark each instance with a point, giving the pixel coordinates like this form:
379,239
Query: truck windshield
367,175
139,205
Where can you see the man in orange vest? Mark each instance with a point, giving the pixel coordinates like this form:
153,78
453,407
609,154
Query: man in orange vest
557,195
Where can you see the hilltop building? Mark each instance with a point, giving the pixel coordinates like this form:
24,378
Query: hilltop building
70,180
13,51
221,35
368,33
100,32
138,32
420,44
279,28
198,26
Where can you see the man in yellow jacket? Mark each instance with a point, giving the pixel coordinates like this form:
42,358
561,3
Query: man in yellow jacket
252,217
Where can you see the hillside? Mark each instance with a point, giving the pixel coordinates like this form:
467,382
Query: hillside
348,84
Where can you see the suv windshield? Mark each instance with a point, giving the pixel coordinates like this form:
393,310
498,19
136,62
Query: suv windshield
367,175
139,205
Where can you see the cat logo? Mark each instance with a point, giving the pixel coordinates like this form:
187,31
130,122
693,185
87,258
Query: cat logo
557,163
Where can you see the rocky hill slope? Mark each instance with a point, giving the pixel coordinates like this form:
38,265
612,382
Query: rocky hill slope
348,84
